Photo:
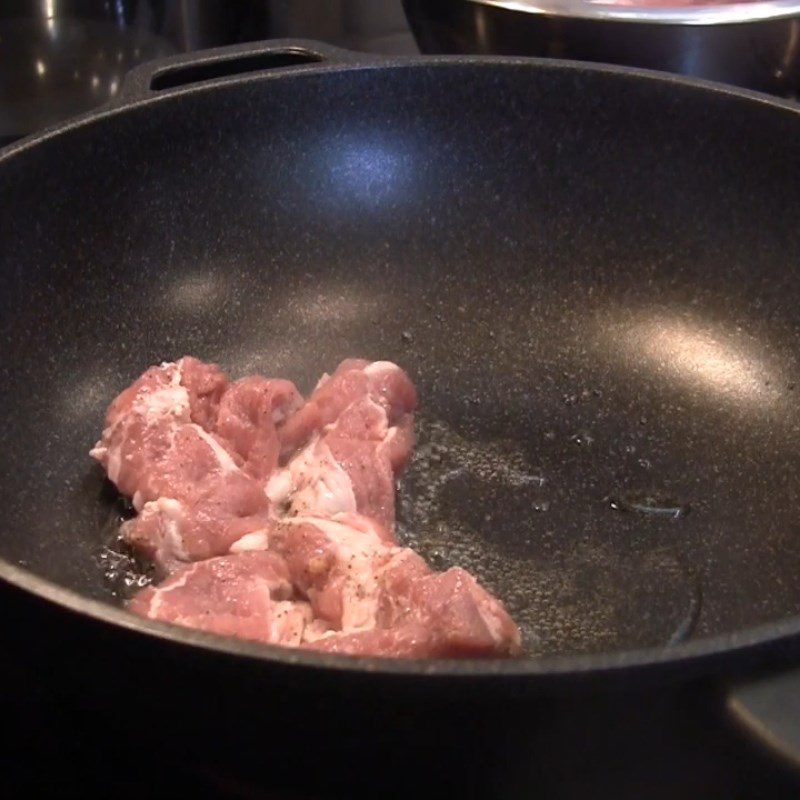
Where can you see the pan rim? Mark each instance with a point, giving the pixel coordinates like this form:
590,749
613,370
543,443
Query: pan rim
702,653
371,62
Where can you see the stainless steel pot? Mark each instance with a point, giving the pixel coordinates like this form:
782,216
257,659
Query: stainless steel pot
755,45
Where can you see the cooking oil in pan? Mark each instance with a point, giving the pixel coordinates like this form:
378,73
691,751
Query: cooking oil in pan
651,504
484,507
125,573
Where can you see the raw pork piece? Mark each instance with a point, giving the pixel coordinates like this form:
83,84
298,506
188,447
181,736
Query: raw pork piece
371,597
205,503
360,425
251,414
142,420
245,595
196,492
381,382
335,564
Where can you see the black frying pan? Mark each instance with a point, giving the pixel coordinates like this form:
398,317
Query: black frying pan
590,273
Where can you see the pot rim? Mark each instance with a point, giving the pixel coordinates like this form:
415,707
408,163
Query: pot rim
604,11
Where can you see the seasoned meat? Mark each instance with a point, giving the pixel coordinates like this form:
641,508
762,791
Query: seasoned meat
359,428
246,595
251,414
194,497
273,517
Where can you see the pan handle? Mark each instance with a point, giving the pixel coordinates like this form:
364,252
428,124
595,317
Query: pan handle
162,75
767,709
